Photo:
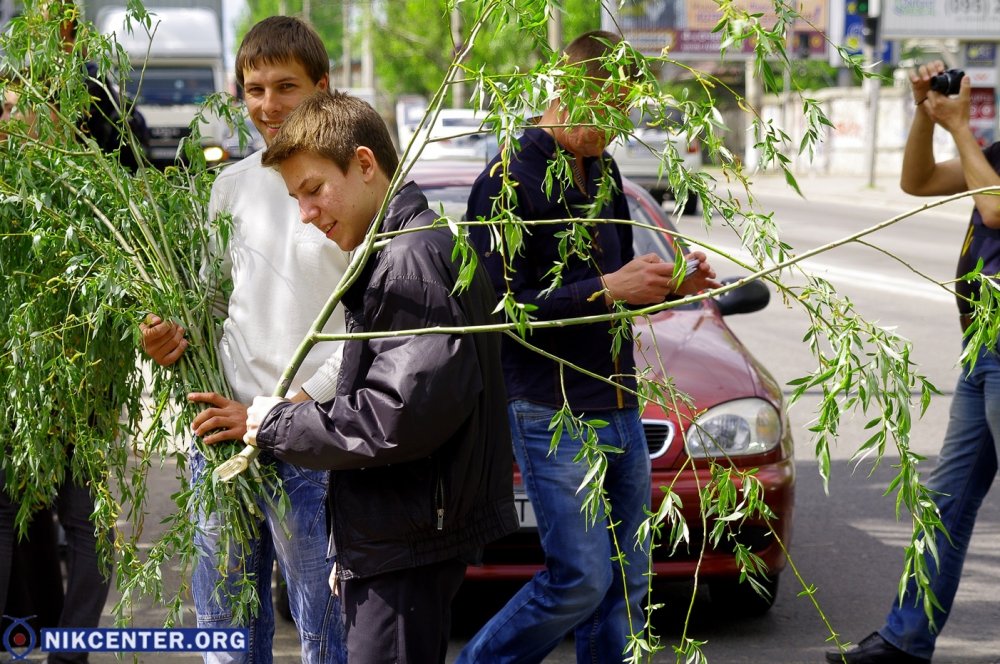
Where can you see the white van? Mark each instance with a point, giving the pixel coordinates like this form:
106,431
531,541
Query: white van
172,74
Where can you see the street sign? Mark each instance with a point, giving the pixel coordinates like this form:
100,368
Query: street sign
854,37
941,19
847,30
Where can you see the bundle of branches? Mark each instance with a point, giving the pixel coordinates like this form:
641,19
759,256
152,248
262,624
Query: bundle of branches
87,249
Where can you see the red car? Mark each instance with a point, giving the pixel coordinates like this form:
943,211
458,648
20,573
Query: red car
736,404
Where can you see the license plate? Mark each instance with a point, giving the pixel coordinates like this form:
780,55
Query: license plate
525,513
163,153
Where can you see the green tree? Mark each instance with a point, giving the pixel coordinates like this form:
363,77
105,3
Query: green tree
326,17
413,44
412,54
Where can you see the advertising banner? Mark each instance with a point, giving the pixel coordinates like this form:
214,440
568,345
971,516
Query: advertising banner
981,68
684,28
941,19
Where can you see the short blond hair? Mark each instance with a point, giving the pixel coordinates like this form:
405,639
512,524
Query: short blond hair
333,125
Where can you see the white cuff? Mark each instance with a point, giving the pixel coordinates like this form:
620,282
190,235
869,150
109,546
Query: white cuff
256,414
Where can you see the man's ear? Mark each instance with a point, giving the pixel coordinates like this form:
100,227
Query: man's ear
367,161
324,82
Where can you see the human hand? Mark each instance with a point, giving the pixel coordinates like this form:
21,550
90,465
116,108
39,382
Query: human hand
649,280
952,113
920,80
645,279
256,415
224,420
162,340
703,276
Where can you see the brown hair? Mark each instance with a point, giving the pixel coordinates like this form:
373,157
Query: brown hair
282,39
588,49
333,125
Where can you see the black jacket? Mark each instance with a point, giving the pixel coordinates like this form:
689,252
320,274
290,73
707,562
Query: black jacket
531,376
417,437
104,122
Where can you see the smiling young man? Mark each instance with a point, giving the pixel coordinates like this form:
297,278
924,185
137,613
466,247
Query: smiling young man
417,437
282,274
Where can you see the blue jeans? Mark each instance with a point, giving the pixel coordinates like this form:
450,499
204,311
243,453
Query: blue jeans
581,588
300,543
963,476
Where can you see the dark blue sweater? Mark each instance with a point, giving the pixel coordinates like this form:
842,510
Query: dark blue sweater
529,375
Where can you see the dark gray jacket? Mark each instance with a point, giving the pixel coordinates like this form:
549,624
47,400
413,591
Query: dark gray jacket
417,437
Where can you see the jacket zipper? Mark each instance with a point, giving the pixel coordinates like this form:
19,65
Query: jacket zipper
439,502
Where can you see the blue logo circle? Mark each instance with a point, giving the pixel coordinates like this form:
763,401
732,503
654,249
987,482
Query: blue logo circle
21,644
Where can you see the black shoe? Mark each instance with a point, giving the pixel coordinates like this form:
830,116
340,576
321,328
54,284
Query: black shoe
873,649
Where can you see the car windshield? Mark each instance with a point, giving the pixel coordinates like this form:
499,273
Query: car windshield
646,240
453,200
470,122
168,86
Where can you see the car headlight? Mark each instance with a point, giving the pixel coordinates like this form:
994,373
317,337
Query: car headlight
213,153
736,428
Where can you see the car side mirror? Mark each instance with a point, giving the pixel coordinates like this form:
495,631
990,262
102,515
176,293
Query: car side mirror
748,298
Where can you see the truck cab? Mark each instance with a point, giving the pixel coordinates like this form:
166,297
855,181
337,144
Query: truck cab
173,70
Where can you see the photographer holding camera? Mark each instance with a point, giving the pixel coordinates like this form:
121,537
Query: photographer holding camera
967,463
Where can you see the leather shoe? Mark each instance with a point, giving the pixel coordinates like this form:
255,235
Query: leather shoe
873,649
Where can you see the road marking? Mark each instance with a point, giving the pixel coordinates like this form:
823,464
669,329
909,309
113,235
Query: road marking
875,280
870,279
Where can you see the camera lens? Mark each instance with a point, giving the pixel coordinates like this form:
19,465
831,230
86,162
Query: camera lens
948,83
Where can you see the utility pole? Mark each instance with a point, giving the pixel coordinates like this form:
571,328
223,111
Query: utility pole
754,93
786,81
870,49
555,27
458,87
346,43
367,59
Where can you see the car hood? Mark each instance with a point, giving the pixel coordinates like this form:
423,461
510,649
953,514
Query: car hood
702,356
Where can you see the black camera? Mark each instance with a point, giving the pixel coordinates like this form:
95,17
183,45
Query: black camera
948,83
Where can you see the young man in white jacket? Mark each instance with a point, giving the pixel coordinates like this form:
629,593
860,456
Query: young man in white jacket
282,273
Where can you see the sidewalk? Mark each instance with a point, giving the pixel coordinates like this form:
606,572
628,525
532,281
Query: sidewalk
885,194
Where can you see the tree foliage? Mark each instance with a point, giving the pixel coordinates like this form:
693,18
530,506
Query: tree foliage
412,54
326,17
87,249
412,43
